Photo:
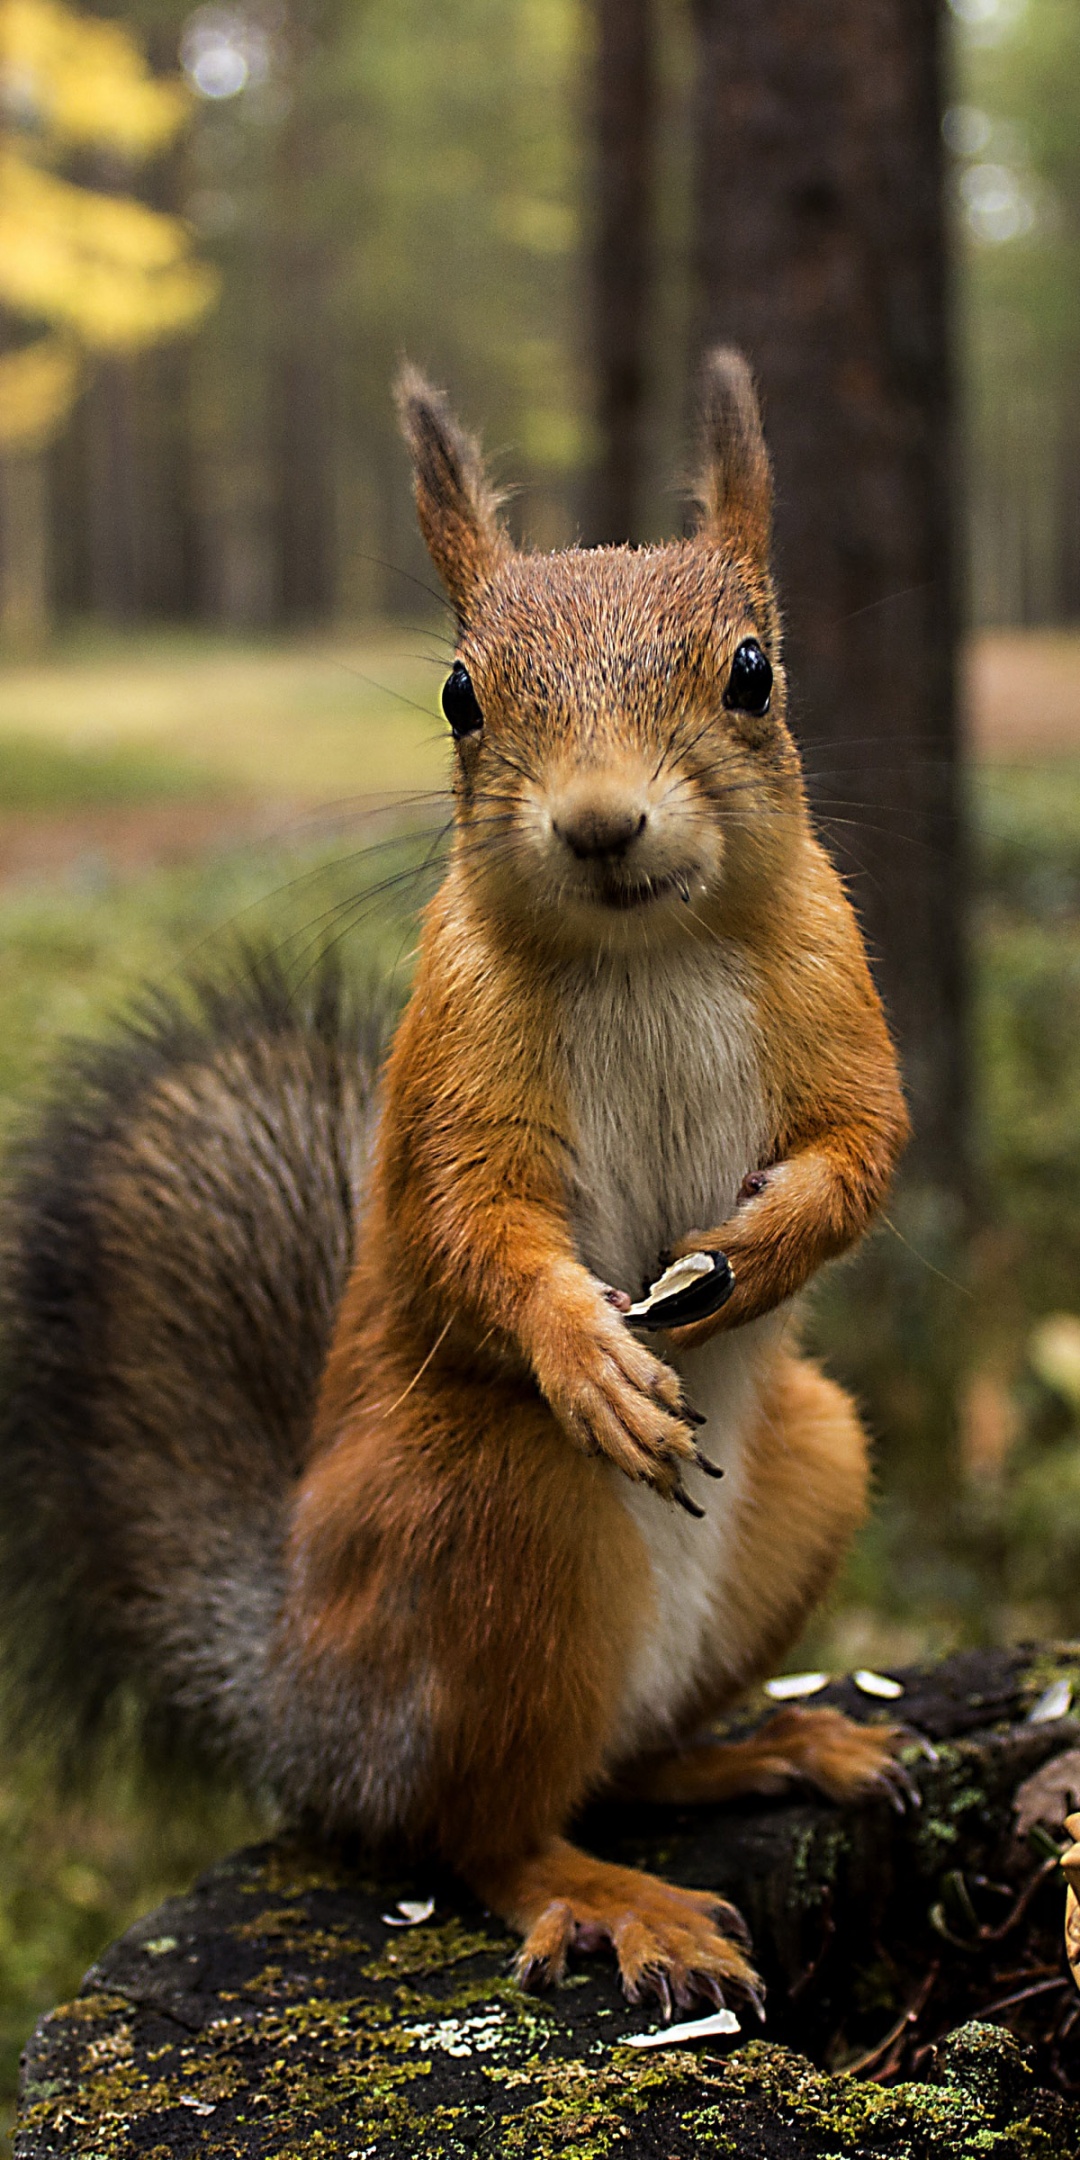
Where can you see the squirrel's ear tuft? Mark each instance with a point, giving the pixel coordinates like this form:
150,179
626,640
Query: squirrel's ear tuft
734,486
455,502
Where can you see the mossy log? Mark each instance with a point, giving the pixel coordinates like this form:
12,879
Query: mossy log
919,2002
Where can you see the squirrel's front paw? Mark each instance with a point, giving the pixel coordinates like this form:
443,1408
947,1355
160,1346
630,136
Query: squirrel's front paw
612,1396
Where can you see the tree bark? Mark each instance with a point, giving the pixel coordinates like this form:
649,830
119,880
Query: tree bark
24,550
820,251
624,106
114,555
302,420
275,2010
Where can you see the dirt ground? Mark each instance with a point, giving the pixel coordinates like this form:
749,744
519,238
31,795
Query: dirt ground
1022,694
123,840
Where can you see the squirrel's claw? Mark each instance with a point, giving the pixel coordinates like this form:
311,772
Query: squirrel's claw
711,1469
680,1494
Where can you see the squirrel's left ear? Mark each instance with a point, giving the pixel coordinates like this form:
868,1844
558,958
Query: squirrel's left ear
734,486
455,502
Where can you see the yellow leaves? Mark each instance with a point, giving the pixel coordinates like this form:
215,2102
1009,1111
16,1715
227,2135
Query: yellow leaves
38,387
84,80
118,275
105,272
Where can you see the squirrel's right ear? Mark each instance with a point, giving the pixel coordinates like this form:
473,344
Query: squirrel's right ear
455,502
734,487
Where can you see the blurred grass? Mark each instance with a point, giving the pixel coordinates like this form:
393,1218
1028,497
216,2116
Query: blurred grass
311,721
978,1531
43,776
73,952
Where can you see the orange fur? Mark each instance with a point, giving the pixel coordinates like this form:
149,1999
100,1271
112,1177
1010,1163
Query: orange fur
821,1746
460,1539
559,1899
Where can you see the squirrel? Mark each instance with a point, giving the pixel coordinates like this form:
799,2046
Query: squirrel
327,1435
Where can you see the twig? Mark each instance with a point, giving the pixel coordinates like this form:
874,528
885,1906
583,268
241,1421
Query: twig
907,2017
1005,2002
1019,1908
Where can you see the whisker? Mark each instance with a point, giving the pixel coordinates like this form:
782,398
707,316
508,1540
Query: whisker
396,570
906,592
327,816
349,914
512,764
383,688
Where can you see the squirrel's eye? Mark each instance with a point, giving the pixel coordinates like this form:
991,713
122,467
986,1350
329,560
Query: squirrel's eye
459,703
749,685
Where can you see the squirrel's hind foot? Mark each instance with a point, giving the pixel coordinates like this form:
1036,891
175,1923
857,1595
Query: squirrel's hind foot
681,1946
843,1759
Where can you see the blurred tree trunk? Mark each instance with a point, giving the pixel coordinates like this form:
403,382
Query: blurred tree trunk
113,489
821,251
624,106
24,550
172,567
173,570
25,553
302,419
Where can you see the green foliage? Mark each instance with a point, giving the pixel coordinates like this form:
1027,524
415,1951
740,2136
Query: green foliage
1017,143
1027,1041
405,179
976,1528
36,775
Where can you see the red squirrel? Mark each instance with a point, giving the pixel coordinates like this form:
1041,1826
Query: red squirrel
324,1398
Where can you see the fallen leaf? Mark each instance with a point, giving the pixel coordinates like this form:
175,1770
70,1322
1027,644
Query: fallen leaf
1045,1798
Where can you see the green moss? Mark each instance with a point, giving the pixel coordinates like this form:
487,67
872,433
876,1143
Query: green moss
429,1949
583,2107
818,1858
1054,1661
292,1871
291,1932
483,2074
952,1793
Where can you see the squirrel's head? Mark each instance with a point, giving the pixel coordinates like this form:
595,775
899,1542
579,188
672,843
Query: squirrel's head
622,758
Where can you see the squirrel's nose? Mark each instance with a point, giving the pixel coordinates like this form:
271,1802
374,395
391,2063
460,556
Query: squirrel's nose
592,830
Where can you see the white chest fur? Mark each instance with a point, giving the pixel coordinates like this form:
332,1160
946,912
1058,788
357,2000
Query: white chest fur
666,1097
669,1113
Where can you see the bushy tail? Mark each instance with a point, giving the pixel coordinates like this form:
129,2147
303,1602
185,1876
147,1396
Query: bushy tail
176,1237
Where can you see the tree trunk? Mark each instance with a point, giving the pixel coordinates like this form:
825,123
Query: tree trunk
24,550
275,2011
170,582
303,374
821,252
624,100
114,554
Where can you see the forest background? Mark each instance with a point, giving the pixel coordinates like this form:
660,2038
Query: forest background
220,656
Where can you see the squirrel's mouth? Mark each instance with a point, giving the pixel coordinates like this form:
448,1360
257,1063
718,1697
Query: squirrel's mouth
621,893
